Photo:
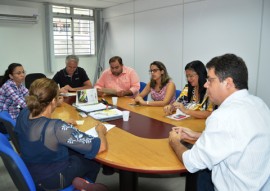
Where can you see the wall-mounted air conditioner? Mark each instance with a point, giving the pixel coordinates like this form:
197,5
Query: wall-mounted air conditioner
18,14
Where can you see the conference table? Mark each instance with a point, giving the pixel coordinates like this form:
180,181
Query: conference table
139,145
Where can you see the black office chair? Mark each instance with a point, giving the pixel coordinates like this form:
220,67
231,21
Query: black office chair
1,78
29,78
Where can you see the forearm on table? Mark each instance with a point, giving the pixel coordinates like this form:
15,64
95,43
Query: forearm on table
198,114
179,149
103,142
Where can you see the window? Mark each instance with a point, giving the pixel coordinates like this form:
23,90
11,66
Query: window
73,30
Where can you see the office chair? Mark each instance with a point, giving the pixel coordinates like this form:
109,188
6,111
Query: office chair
17,168
177,93
142,86
29,78
1,78
9,124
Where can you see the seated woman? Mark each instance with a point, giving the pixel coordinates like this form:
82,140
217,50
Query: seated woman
12,91
161,87
54,151
193,99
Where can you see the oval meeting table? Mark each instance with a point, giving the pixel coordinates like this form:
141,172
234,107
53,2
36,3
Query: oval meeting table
139,145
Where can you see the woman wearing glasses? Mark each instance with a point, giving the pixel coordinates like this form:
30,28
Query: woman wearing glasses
12,91
193,99
161,87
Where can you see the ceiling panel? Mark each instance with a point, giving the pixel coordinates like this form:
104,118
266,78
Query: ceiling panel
85,3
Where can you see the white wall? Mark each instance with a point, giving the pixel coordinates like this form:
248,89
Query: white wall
177,32
26,44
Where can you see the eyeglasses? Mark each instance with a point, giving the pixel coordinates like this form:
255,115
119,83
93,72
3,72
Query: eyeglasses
191,76
210,80
154,70
19,73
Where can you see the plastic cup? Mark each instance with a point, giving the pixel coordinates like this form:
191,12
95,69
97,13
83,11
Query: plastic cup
114,100
125,115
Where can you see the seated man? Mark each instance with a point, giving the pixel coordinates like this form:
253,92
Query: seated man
72,78
235,144
118,80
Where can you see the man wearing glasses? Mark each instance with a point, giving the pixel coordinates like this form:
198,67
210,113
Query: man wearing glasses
235,144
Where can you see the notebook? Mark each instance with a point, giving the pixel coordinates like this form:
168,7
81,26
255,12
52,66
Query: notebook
86,97
91,108
179,115
107,114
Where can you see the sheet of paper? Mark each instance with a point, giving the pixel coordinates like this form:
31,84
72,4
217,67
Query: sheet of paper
80,122
93,132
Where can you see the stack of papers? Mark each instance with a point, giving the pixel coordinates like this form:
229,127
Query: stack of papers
91,108
179,115
93,132
107,114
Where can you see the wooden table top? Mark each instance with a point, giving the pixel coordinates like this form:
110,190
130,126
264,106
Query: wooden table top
134,153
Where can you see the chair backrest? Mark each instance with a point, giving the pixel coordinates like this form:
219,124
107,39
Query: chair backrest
177,93
4,141
142,86
1,78
29,78
15,166
9,124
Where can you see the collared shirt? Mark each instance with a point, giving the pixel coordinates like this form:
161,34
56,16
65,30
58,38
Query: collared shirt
194,104
12,98
235,145
127,80
76,80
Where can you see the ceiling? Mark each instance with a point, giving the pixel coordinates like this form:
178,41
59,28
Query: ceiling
85,3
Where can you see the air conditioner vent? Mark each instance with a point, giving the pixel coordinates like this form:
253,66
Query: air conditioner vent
18,14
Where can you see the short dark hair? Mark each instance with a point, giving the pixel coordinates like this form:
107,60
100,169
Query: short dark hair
230,65
116,58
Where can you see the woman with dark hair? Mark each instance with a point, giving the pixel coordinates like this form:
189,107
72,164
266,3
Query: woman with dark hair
55,152
161,87
12,91
193,99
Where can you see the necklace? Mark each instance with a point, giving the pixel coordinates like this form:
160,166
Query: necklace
194,94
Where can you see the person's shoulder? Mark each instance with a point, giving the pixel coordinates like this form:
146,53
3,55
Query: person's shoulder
25,112
80,69
59,73
8,84
129,70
